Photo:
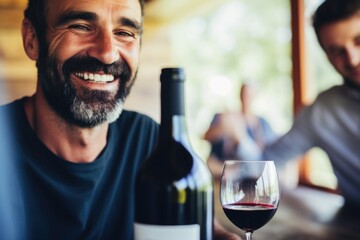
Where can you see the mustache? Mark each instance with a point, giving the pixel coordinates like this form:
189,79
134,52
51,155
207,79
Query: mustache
119,69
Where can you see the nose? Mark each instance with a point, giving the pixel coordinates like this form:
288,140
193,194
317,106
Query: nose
104,48
353,57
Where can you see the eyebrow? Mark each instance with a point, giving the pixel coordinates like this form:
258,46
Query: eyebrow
89,16
130,23
76,15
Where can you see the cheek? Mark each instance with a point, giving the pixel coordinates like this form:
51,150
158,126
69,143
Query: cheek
336,62
131,54
63,47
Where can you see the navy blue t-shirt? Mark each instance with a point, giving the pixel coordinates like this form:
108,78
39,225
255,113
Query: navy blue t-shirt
64,200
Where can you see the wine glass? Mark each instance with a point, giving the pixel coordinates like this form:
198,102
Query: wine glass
249,193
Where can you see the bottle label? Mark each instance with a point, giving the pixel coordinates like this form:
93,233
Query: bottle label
164,232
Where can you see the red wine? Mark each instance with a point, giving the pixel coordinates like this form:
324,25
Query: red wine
249,216
174,188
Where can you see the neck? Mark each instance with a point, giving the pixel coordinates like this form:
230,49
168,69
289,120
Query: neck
68,141
352,84
352,89
250,119
247,113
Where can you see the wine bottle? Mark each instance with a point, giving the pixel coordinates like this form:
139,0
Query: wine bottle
174,187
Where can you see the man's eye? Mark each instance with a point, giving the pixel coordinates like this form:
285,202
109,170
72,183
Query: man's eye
79,27
125,34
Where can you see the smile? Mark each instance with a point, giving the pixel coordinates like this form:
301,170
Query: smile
95,77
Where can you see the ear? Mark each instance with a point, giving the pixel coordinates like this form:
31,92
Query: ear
30,40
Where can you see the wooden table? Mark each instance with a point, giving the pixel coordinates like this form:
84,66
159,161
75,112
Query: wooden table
303,214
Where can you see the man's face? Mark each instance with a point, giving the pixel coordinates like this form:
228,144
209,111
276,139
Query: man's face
91,58
341,43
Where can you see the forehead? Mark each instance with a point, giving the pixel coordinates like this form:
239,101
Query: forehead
340,32
117,8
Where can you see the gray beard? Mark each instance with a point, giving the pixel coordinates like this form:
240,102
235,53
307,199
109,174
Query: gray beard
85,113
80,106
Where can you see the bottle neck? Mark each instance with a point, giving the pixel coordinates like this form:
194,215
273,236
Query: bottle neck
172,111
172,99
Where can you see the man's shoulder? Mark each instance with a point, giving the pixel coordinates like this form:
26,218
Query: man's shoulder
334,101
135,121
140,130
134,116
12,109
333,89
13,104
331,94
11,117
340,95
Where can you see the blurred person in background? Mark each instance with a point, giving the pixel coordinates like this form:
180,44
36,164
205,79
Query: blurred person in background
332,121
226,127
77,150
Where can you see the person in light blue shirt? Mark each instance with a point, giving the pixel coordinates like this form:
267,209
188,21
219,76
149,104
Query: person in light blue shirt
224,128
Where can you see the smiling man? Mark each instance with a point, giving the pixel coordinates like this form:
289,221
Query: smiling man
87,61
74,150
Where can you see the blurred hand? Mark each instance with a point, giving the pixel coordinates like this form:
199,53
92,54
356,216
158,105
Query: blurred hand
220,233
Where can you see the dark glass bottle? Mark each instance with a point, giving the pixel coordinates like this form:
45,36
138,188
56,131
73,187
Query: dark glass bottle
174,187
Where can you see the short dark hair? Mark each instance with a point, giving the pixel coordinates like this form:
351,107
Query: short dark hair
35,12
331,11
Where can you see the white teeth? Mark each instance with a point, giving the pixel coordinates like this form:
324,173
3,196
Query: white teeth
95,77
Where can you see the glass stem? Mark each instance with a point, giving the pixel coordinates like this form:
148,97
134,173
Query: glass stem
248,235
